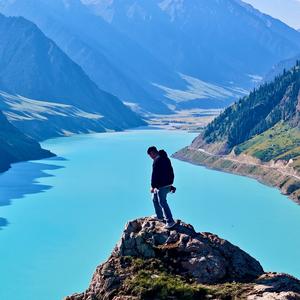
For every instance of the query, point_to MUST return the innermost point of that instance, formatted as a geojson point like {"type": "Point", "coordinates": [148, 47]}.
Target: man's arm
{"type": "Point", "coordinates": [171, 172]}
{"type": "Point", "coordinates": [155, 174]}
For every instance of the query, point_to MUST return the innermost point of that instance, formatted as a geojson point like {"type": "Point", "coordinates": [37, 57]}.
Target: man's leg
{"type": "Point", "coordinates": [157, 207]}
{"type": "Point", "coordinates": [162, 200]}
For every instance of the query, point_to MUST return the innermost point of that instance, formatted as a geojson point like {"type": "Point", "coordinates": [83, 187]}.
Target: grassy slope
{"type": "Point", "coordinates": [265, 107]}
{"type": "Point", "coordinates": [152, 280]}
{"type": "Point", "coordinates": [279, 142]}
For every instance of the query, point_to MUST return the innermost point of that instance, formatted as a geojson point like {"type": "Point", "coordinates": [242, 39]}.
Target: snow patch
{"type": "Point", "coordinates": [101, 8]}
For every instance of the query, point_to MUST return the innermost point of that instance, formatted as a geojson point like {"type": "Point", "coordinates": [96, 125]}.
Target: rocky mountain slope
{"type": "Point", "coordinates": [16, 147]}
{"type": "Point", "coordinates": [44, 119]}
{"type": "Point", "coordinates": [33, 66]}
{"type": "Point", "coordinates": [257, 136]}
{"type": "Point", "coordinates": [151, 262]}
{"type": "Point", "coordinates": [287, 11]}
{"type": "Point", "coordinates": [193, 62]}
{"type": "Point", "coordinates": [114, 62]}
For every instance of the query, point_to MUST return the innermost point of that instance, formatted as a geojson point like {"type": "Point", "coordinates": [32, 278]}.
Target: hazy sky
{"type": "Point", "coordinates": [287, 11]}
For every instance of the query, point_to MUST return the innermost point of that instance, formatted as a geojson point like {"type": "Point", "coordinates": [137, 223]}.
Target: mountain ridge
{"type": "Point", "coordinates": [127, 57]}
{"type": "Point", "coordinates": [42, 119]}
{"type": "Point", "coordinates": [288, 11]}
{"type": "Point", "coordinates": [34, 67]}
{"type": "Point", "coordinates": [279, 68]}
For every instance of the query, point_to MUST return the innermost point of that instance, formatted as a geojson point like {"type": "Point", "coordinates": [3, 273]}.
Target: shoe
{"type": "Point", "coordinates": [170, 225]}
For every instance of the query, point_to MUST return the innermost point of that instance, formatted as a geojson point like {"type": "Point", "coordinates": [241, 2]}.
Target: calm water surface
{"type": "Point", "coordinates": [61, 217]}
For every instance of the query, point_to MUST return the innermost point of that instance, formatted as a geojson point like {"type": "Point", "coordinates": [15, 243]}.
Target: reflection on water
{"type": "Point", "coordinates": [3, 222]}
{"type": "Point", "coordinates": [26, 174]}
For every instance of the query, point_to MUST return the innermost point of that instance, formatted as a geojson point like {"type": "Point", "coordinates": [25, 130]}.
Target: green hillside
{"type": "Point", "coordinates": [278, 142]}
{"type": "Point", "coordinates": [264, 124]}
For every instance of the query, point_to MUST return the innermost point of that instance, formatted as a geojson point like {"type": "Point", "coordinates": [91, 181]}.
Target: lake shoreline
{"type": "Point", "coordinates": [175, 122]}
{"type": "Point", "coordinates": [263, 174]}
{"type": "Point", "coordinates": [65, 203]}
{"type": "Point", "coordinates": [8, 166]}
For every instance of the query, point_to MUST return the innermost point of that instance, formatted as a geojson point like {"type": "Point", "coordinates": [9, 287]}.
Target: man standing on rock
{"type": "Point", "coordinates": [161, 184]}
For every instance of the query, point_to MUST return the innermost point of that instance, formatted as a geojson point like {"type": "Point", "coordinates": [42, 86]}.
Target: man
{"type": "Point", "coordinates": [161, 184]}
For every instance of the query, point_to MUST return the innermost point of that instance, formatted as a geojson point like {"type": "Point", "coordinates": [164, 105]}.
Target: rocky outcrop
{"type": "Point", "coordinates": [52, 95]}
{"type": "Point", "coordinates": [204, 256]}
{"type": "Point", "coordinates": [152, 262]}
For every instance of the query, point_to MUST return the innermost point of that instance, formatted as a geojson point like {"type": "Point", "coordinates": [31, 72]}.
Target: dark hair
{"type": "Point", "coordinates": [152, 149]}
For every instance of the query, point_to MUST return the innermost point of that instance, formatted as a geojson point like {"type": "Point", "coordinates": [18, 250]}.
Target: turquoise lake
{"type": "Point", "coordinates": [61, 217]}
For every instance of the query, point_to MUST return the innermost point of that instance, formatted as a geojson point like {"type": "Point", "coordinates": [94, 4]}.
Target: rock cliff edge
{"type": "Point", "coordinates": [152, 262]}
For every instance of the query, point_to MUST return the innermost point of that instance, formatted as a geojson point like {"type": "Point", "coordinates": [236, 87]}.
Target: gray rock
{"type": "Point", "coordinates": [203, 257]}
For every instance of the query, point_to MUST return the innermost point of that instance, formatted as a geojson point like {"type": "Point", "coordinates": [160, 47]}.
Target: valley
{"type": "Point", "coordinates": [86, 86]}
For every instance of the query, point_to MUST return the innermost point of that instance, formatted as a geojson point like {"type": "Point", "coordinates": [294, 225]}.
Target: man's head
{"type": "Point", "coordinates": [152, 152]}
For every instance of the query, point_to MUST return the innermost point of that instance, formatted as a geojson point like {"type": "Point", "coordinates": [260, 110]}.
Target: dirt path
{"type": "Point", "coordinates": [282, 170]}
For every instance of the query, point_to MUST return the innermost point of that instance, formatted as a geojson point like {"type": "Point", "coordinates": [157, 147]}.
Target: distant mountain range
{"type": "Point", "coordinates": [15, 146]}
{"type": "Point", "coordinates": [45, 94]}
{"type": "Point", "coordinates": [68, 101]}
{"type": "Point", "coordinates": [278, 68]}
{"type": "Point", "coordinates": [164, 55]}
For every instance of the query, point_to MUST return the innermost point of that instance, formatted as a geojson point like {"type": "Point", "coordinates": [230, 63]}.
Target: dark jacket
{"type": "Point", "coordinates": [162, 173]}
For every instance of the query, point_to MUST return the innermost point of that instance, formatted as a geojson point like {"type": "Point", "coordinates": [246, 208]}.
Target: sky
{"type": "Point", "coordinates": [287, 11]}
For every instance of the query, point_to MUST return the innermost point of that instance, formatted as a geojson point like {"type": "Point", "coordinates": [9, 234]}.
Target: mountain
{"type": "Point", "coordinates": [278, 68]}
{"type": "Point", "coordinates": [258, 136]}
{"type": "Point", "coordinates": [43, 119]}
{"type": "Point", "coordinates": [113, 61]}
{"type": "Point", "coordinates": [288, 11]}
{"type": "Point", "coordinates": [34, 67]}
{"type": "Point", "coordinates": [272, 106]}
{"type": "Point", "coordinates": [165, 55]}
{"type": "Point", "coordinates": [151, 262]}
{"type": "Point", "coordinates": [190, 40]}
{"type": "Point", "coordinates": [16, 147]}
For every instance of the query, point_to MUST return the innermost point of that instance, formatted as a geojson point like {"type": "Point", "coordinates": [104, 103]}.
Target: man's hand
{"type": "Point", "coordinates": [154, 190]}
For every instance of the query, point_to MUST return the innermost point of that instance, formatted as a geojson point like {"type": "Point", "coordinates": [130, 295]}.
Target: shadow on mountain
{"type": "Point", "coordinates": [23, 180]}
